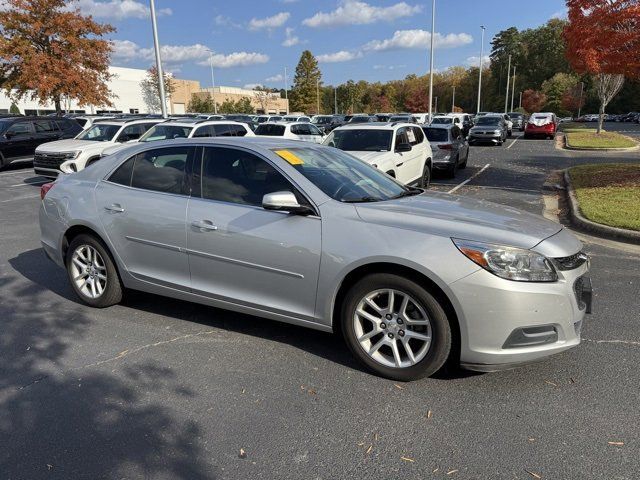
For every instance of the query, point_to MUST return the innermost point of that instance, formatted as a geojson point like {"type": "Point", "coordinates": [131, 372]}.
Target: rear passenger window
{"type": "Point", "coordinates": [203, 132]}
{"type": "Point", "coordinates": [122, 175]}
{"type": "Point", "coordinates": [162, 170]}
{"type": "Point", "coordinates": [223, 130]}
{"type": "Point", "coordinates": [401, 136]}
{"type": "Point", "coordinates": [238, 130]}
{"type": "Point", "coordinates": [418, 135]}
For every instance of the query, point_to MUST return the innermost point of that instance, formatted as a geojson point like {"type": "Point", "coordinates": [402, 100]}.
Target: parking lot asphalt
{"type": "Point", "coordinates": [162, 389]}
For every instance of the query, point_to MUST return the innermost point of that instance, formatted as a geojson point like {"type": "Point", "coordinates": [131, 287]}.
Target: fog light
{"type": "Point", "coordinates": [531, 336]}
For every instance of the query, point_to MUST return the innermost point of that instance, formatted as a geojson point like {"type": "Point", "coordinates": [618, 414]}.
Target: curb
{"type": "Point", "coordinates": [625, 149]}
{"type": "Point", "coordinates": [602, 230]}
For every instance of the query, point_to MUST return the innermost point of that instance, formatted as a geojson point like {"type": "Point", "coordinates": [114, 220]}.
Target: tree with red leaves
{"type": "Point", "coordinates": [573, 99]}
{"type": "Point", "coordinates": [603, 39]}
{"type": "Point", "coordinates": [50, 51]}
{"type": "Point", "coordinates": [533, 101]}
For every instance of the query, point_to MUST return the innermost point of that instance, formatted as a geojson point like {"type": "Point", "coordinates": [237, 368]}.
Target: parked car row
{"type": "Point", "coordinates": [631, 117]}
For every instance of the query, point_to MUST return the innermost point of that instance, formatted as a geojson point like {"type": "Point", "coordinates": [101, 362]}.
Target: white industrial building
{"type": "Point", "coordinates": [125, 85]}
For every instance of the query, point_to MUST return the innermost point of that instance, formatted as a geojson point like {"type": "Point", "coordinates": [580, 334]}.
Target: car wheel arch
{"type": "Point", "coordinates": [353, 276]}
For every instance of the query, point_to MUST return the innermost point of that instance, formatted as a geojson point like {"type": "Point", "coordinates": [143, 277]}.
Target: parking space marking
{"type": "Point", "coordinates": [458, 187]}
{"type": "Point", "coordinates": [513, 143]}
{"type": "Point", "coordinates": [27, 171]}
{"type": "Point", "coordinates": [20, 198]}
{"type": "Point", "coordinates": [37, 182]}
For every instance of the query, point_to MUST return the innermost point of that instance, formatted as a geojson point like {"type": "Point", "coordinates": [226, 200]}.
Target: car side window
{"type": "Point", "coordinates": [235, 176]}
{"type": "Point", "coordinates": [162, 170]}
{"type": "Point", "coordinates": [204, 131]}
{"type": "Point", "coordinates": [401, 136]}
{"type": "Point", "coordinates": [122, 175]}
{"type": "Point", "coordinates": [19, 128]}
{"type": "Point", "coordinates": [418, 135]}
{"type": "Point", "coordinates": [239, 131]}
{"type": "Point", "coordinates": [45, 126]}
{"type": "Point", "coordinates": [314, 130]}
{"type": "Point", "coordinates": [131, 132]}
{"type": "Point", "coordinates": [455, 132]}
{"type": "Point", "coordinates": [223, 130]}
{"type": "Point", "coordinates": [297, 129]}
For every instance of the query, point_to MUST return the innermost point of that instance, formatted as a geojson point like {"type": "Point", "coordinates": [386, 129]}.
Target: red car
{"type": "Point", "coordinates": [541, 125]}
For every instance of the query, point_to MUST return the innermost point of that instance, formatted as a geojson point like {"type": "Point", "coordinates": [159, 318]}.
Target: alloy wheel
{"type": "Point", "coordinates": [393, 328]}
{"type": "Point", "coordinates": [88, 271]}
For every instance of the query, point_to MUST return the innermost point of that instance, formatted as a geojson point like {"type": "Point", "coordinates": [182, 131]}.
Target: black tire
{"type": "Point", "coordinates": [112, 293]}
{"type": "Point", "coordinates": [441, 336]}
{"type": "Point", "coordinates": [426, 176]}
{"type": "Point", "coordinates": [451, 171]}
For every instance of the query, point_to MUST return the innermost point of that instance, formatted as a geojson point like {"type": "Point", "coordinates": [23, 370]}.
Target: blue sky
{"type": "Point", "coordinates": [253, 41]}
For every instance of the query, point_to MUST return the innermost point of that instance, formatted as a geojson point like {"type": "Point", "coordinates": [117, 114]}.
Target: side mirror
{"type": "Point", "coordinates": [403, 147]}
{"type": "Point", "coordinates": [284, 202]}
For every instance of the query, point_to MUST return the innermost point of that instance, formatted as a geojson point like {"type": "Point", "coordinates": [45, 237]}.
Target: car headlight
{"type": "Point", "coordinates": [510, 263]}
{"type": "Point", "coordinates": [71, 155]}
{"type": "Point", "coordinates": [497, 131]}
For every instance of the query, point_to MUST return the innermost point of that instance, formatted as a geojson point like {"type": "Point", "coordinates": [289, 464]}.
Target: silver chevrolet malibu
{"type": "Point", "coordinates": [309, 235]}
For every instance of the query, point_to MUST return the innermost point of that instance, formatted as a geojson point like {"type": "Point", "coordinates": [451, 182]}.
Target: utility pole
{"type": "Point", "coordinates": [580, 101]}
{"type": "Point", "coordinates": [513, 88]}
{"type": "Point", "coordinates": [433, 31]}
{"type": "Point", "coordinates": [213, 85]}
{"type": "Point", "coordinates": [520, 99]}
{"type": "Point", "coordinates": [453, 101]}
{"type": "Point", "coordinates": [286, 89]}
{"type": "Point", "coordinates": [318, 95]}
{"type": "Point", "coordinates": [506, 95]}
{"type": "Point", "coordinates": [480, 79]}
{"type": "Point", "coordinates": [156, 46]}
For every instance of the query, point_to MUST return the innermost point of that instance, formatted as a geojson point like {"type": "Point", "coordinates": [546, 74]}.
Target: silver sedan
{"type": "Point", "coordinates": [309, 235]}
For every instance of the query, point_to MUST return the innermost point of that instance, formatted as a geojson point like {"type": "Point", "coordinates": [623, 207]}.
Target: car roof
{"type": "Point", "coordinates": [376, 126]}
{"type": "Point", "coordinates": [124, 121]}
{"type": "Point", "coordinates": [443, 126]}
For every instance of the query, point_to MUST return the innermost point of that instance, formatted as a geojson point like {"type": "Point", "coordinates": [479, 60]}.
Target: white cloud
{"type": "Point", "coordinates": [388, 67]}
{"type": "Point", "coordinates": [475, 61]}
{"type": "Point", "coordinates": [125, 50]}
{"type": "Point", "coordinates": [291, 39]}
{"type": "Point", "coordinates": [356, 12]}
{"type": "Point", "coordinates": [235, 59]}
{"type": "Point", "coordinates": [116, 9]}
{"type": "Point", "coordinates": [251, 86]}
{"type": "Point", "coordinates": [419, 39]}
{"type": "Point", "coordinates": [341, 56]}
{"type": "Point", "coordinates": [223, 21]}
{"type": "Point", "coordinates": [561, 15]}
{"type": "Point", "coordinates": [275, 21]}
{"type": "Point", "coordinates": [275, 78]}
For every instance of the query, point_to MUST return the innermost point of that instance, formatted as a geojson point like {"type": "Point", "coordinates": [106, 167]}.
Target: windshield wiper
{"type": "Point", "coordinates": [362, 200]}
{"type": "Point", "coordinates": [408, 193]}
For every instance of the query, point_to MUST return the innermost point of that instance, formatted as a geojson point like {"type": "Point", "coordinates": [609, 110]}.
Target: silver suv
{"type": "Point", "coordinates": [309, 235]}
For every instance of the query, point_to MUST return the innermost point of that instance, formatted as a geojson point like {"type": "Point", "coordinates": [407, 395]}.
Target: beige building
{"type": "Point", "coordinates": [181, 96]}
{"type": "Point", "coordinates": [269, 103]}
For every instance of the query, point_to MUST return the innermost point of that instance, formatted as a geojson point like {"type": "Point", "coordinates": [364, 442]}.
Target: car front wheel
{"type": "Point", "coordinates": [92, 272]}
{"type": "Point", "coordinates": [395, 327]}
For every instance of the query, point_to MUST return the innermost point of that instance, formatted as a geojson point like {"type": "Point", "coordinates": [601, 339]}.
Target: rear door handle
{"type": "Point", "coordinates": [115, 208]}
{"type": "Point", "coordinates": [204, 225]}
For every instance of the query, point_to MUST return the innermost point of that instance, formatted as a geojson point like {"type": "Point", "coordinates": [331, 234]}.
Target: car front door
{"type": "Point", "coordinates": [241, 253]}
{"type": "Point", "coordinates": [142, 207]}
{"type": "Point", "coordinates": [19, 141]}
{"type": "Point", "coordinates": [46, 131]}
{"type": "Point", "coordinates": [408, 164]}
{"type": "Point", "coordinates": [302, 132]}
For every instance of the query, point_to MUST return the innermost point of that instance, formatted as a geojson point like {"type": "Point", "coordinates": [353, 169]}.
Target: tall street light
{"type": "Point", "coordinates": [286, 89]}
{"type": "Point", "coordinates": [453, 100]}
{"type": "Point", "coordinates": [318, 96]}
{"type": "Point", "coordinates": [506, 95]}
{"type": "Point", "coordinates": [213, 84]}
{"type": "Point", "coordinates": [156, 46]}
{"type": "Point", "coordinates": [480, 75]}
{"type": "Point", "coordinates": [513, 88]}
{"type": "Point", "coordinates": [433, 32]}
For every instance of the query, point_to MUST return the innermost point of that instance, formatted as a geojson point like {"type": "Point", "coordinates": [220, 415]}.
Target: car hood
{"type": "Point", "coordinates": [117, 147]}
{"type": "Point", "coordinates": [480, 128]}
{"type": "Point", "coordinates": [369, 157]}
{"type": "Point", "coordinates": [71, 144]}
{"type": "Point", "coordinates": [461, 217]}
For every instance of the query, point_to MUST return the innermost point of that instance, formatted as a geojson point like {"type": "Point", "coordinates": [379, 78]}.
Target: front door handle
{"type": "Point", "coordinates": [204, 225]}
{"type": "Point", "coordinates": [114, 208]}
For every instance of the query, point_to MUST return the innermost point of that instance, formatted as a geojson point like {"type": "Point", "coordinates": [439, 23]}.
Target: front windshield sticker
{"type": "Point", "coordinates": [290, 157]}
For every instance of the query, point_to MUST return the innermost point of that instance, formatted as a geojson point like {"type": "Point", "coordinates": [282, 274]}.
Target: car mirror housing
{"type": "Point", "coordinates": [284, 201]}
{"type": "Point", "coordinates": [404, 147]}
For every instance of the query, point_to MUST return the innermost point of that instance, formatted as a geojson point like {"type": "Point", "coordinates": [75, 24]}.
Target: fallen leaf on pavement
{"type": "Point", "coordinates": [361, 444]}
{"type": "Point", "coordinates": [369, 449]}
{"type": "Point", "coordinates": [532, 439]}
{"type": "Point", "coordinates": [242, 453]}
{"type": "Point", "coordinates": [435, 470]}
{"type": "Point", "coordinates": [375, 437]}
{"type": "Point", "coordinates": [49, 466]}
{"type": "Point", "coordinates": [408, 459]}
{"type": "Point", "coordinates": [451, 472]}
{"type": "Point", "coordinates": [534, 475]}
{"type": "Point", "coordinates": [617, 444]}
{"type": "Point", "coordinates": [551, 383]}
{"type": "Point", "coordinates": [398, 386]}
{"type": "Point", "coordinates": [429, 414]}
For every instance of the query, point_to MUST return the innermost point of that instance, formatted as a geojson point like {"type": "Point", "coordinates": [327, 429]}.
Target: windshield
{"type": "Point", "coordinates": [359, 120]}
{"type": "Point", "coordinates": [436, 134]}
{"type": "Point", "coordinates": [290, 119]}
{"type": "Point", "coordinates": [400, 119]}
{"type": "Point", "coordinates": [100, 132]}
{"type": "Point", "coordinates": [488, 121]}
{"type": "Point", "coordinates": [360, 140]}
{"type": "Point", "coordinates": [343, 177]}
{"type": "Point", "coordinates": [515, 115]}
{"type": "Point", "coordinates": [270, 130]}
{"type": "Point", "coordinates": [321, 120]}
{"type": "Point", "coordinates": [442, 120]}
{"type": "Point", "coordinates": [165, 132]}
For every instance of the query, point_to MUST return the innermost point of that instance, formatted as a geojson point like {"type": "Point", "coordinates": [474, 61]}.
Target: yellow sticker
{"type": "Point", "coordinates": [290, 157]}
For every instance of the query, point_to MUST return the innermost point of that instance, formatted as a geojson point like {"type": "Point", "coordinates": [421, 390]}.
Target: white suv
{"type": "Point", "coordinates": [305, 131]}
{"type": "Point", "coordinates": [398, 149]}
{"type": "Point", "coordinates": [173, 129]}
{"type": "Point", "coordinates": [74, 154]}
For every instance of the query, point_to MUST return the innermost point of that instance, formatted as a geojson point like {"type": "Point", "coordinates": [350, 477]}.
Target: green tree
{"type": "Point", "coordinates": [555, 89]}
{"type": "Point", "coordinates": [150, 86]}
{"type": "Point", "coordinates": [307, 78]}
{"type": "Point", "coordinates": [14, 108]}
{"type": "Point", "coordinates": [241, 106]}
{"type": "Point", "coordinates": [201, 104]}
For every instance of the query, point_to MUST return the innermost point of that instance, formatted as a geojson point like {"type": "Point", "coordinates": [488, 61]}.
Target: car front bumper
{"type": "Point", "coordinates": [484, 138]}
{"type": "Point", "coordinates": [545, 318]}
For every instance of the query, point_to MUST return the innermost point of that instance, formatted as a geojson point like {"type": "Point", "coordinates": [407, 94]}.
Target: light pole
{"type": "Point", "coordinates": [580, 101]}
{"type": "Point", "coordinates": [480, 75]}
{"type": "Point", "coordinates": [286, 89]}
{"type": "Point", "coordinates": [520, 106]}
{"type": "Point", "coordinates": [453, 101]}
{"type": "Point", "coordinates": [506, 95]}
{"type": "Point", "coordinates": [433, 31]}
{"type": "Point", "coordinates": [513, 88]}
{"type": "Point", "coordinates": [213, 84]}
{"type": "Point", "coordinates": [318, 96]}
{"type": "Point", "coordinates": [156, 46]}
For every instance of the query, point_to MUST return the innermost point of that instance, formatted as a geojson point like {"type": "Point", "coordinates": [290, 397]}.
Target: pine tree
{"type": "Point", "coordinates": [305, 83]}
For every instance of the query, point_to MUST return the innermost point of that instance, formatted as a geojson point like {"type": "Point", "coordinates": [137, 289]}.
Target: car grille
{"type": "Point", "coordinates": [48, 160]}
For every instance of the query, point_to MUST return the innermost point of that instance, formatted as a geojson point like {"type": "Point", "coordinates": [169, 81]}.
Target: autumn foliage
{"type": "Point", "coordinates": [50, 51]}
{"type": "Point", "coordinates": [533, 100]}
{"type": "Point", "coordinates": [603, 36]}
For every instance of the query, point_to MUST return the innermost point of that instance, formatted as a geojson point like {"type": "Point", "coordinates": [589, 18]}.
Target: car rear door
{"type": "Point", "coordinates": [142, 207]}
{"type": "Point", "coordinates": [241, 253]}
{"type": "Point", "coordinates": [19, 141]}
{"type": "Point", "coordinates": [46, 130]}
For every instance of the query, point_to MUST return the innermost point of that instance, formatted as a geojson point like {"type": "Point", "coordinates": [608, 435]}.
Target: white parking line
{"type": "Point", "coordinates": [513, 143]}
{"type": "Point", "coordinates": [38, 182]}
{"type": "Point", "coordinates": [27, 171]}
{"type": "Point", "coordinates": [20, 198]}
{"type": "Point", "coordinates": [456, 188]}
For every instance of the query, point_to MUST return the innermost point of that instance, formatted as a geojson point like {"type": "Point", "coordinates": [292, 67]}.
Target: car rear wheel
{"type": "Point", "coordinates": [395, 327]}
{"type": "Point", "coordinates": [451, 171]}
{"type": "Point", "coordinates": [426, 176]}
{"type": "Point", "coordinates": [92, 272]}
